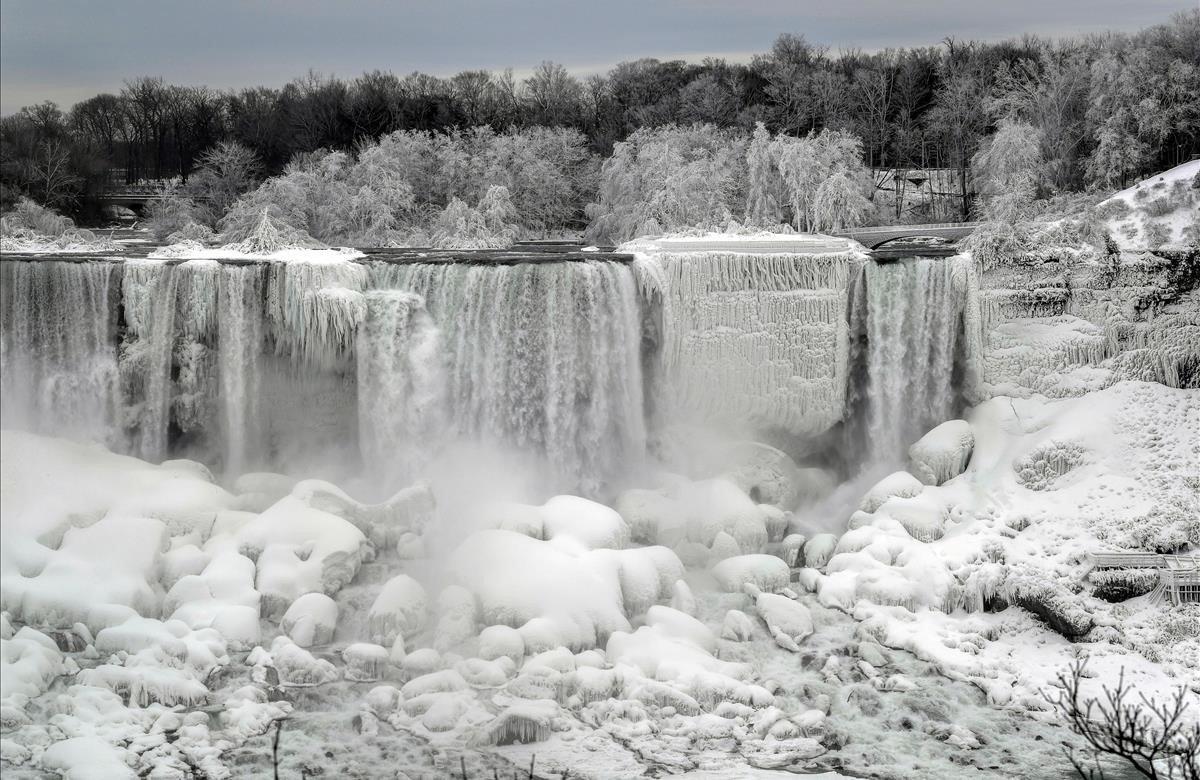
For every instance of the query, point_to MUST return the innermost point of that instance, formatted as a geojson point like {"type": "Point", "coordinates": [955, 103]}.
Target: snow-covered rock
{"type": "Point", "coordinates": [310, 620]}
{"type": "Point", "coordinates": [401, 608]}
{"type": "Point", "coordinates": [943, 453]}
{"type": "Point", "coordinates": [765, 572]}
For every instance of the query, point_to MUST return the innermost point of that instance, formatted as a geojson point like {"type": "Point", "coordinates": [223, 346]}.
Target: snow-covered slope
{"type": "Point", "coordinates": [1163, 210]}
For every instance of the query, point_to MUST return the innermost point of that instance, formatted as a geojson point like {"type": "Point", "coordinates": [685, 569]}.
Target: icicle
{"type": "Point", "coordinates": [315, 308]}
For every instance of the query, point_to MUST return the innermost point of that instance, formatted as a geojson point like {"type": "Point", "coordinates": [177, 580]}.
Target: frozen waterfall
{"type": "Point", "coordinates": [293, 365]}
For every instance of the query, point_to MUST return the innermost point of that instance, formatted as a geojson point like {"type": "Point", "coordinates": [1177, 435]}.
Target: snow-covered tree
{"type": "Point", "coordinates": [807, 163]}
{"type": "Point", "coordinates": [668, 178]}
{"type": "Point", "coordinates": [840, 202]}
{"type": "Point", "coordinates": [764, 185]}
{"type": "Point", "coordinates": [1007, 169]}
{"type": "Point", "coordinates": [227, 171]}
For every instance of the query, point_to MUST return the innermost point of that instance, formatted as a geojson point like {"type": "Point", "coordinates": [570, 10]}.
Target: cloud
{"type": "Point", "coordinates": [72, 49]}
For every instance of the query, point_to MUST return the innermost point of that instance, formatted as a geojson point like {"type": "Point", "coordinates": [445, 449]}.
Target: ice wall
{"type": "Point", "coordinates": [754, 335]}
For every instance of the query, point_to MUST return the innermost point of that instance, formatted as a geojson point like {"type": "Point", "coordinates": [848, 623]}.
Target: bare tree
{"type": "Point", "coordinates": [1151, 737]}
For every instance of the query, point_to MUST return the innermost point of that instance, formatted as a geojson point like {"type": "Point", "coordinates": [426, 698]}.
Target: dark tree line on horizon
{"type": "Point", "coordinates": [1108, 109]}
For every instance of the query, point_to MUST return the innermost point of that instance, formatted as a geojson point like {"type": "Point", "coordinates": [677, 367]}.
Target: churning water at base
{"type": "Point", "coordinates": [911, 313]}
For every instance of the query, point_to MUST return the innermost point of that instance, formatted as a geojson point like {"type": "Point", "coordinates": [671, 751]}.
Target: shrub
{"type": "Point", "coordinates": [1122, 584]}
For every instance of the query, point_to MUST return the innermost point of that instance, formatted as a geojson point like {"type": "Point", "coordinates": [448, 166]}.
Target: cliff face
{"type": "Point", "coordinates": [1068, 322]}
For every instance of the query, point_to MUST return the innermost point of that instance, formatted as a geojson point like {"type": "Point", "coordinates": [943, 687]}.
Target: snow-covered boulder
{"type": "Point", "coordinates": [653, 516]}
{"type": "Point", "coordinates": [517, 578]}
{"type": "Point", "coordinates": [765, 572]}
{"type": "Point", "coordinates": [788, 621]}
{"type": "Point", "coordinates": [222, 596]}
{"type": "Point", "coordinates": [365, 662]}
{"type": "Point", "coordinates": [301, 550]}
{"type": "Point", "coordinates": [591, 524]}
{"type": "Point", "coordinates": [923, 517]}
{"type": "Point", "coordinates": [899, 483]}
{"type": "Point", "coordinates": [819, 549]}
{"type": "Point", "coordinates": [311, 620]}
{"type": "Point", "coordinates": [681, 625]}
{"type": "Point", "coordinates": [737, 627]}
{"type": "Point", "coordinates": [943, 453]}
{"type": "Point", "coordinates": [296, 666]}
{"type": "Point", "coordinates": [501, 642]}
{"type": "Point", "coordinates": [401, 608]}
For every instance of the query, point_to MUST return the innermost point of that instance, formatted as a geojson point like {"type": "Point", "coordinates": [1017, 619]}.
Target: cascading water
{"type": "Point", "coordinates": [292, 365]}
{"type": "Point", "coordinates": [911, 313]}
{"type": "Point", "coordinates": [57, 347]}
{"type": "Point", "coordinates": [401, 386]}
{"type": "Point", "coordinates": [544, 358]}
{"type": "Point", "coordinates": [149, 291]}
{"type": "Point", "coordinates": [279, 365]}
{"type": "Point", "coordinates": [239, 356]}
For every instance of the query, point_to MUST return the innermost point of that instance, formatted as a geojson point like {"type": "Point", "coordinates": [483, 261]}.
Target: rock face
{"type": "Point", "coordinates": [1062, 323]}
{"type": "Point", "coordinates": [942, 454]}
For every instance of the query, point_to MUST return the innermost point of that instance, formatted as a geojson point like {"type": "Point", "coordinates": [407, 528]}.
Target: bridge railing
{"type": "Point", "coordinates": [915, 228]}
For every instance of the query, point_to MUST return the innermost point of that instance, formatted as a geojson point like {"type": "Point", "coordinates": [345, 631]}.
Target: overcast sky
{"type": "Point", "coordinates": [66, 50]}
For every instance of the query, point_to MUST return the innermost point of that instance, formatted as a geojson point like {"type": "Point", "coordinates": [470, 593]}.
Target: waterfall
{"type": "Point", "coordinates": [149, 288]}
{"type": "Point", "coordinates": [540, 357]}
{"type": "Point", "coordinates": [401, 386]}
{"type": "Point", "coordinates": [912, 314]}
{"type": "Point", "coordinates": [58, 357]}
{"type": "Point", "coordinates": [239, 356]}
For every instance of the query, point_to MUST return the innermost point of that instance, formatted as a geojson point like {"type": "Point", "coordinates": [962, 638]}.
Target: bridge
{"type": "Point", "coordinates": [876, 236]}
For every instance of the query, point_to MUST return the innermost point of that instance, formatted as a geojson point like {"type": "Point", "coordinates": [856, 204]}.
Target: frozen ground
{"type": "Point", "coordinates": [156, 622]}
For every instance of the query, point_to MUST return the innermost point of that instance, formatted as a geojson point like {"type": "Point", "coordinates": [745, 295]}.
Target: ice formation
{"type": "Point", "coordinates": [753, 332]}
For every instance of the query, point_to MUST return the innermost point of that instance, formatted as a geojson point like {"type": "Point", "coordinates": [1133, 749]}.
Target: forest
{"type": "Point", "coordinates": [1104, 110]}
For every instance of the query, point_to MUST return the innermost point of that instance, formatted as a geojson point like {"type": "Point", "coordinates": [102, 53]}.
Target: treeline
{"type": "Point", "coordinates": [1107, 109]}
